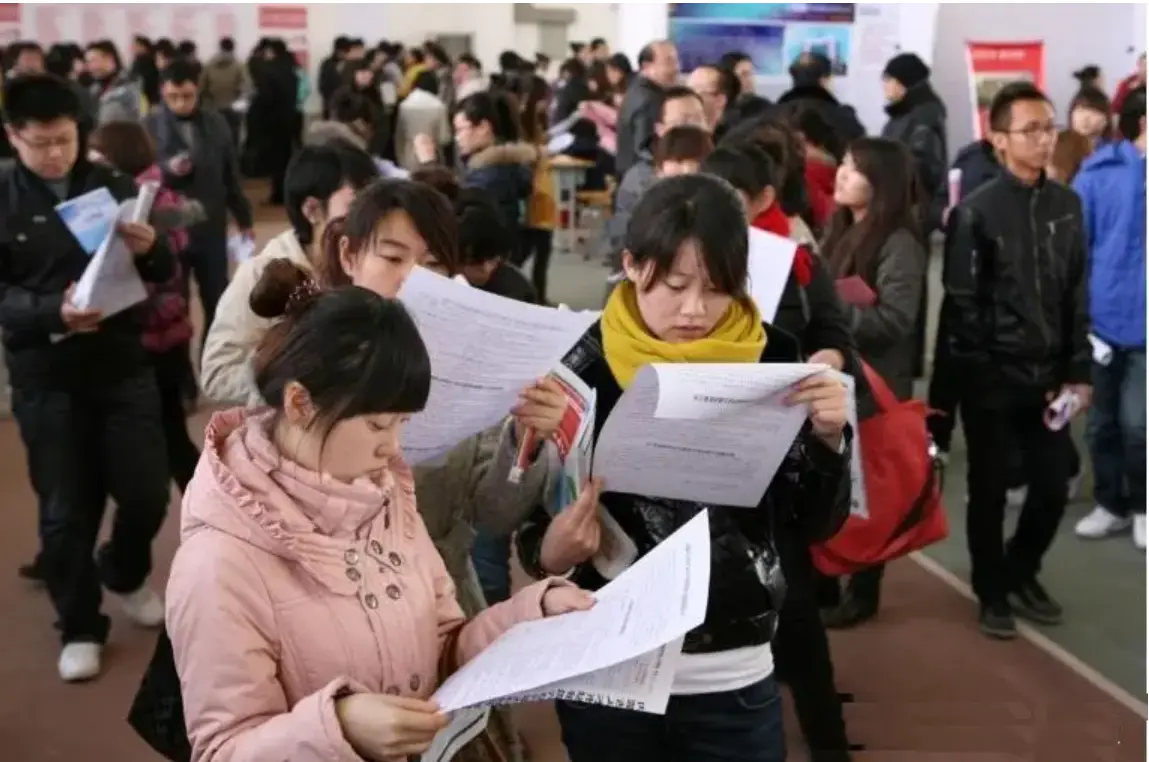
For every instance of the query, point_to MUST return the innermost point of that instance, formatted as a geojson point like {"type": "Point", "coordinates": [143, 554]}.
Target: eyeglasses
{"type": "Point", "coordinates": [49, 144]}
{"type": "Point", "coordinates": [1035, 132]}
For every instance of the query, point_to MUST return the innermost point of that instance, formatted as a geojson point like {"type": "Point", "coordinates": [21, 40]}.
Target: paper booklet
{"type": "Point", "coordinates": [771, 260]}
{"type": "Point", "coordinates": [110, 283]}
{"type": "Point", "coordinates": [620, 653]}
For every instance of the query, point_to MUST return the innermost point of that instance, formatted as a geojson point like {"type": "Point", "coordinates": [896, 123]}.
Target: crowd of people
{"type": "Point", "coordinates": [313, 606]}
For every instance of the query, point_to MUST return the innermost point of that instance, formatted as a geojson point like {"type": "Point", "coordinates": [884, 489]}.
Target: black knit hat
{"type": "Point", "coordinates": [908, 69]}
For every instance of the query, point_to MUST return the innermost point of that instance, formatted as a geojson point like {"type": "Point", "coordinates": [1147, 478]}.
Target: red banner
{"type": "Point", "coordinates": [288, 22]}
{"type": "Point", "coordinates": [992, 65]}
{"type": "Point", "coordinates": [9, 23]}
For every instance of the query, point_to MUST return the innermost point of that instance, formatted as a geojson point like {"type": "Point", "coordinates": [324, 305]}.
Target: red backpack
{"type": "Point", "coordinates": [903, 489]}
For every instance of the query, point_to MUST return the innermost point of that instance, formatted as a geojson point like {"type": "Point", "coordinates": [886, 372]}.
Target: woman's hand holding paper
{"type": "Point", "coordinates": [540, 409]}
{"type": "Point", "coordinates": [564, 598]}
{"type": "Point", "coordinates": [575, 533]}
{"type": "Point", "coordinates": [828, 402]}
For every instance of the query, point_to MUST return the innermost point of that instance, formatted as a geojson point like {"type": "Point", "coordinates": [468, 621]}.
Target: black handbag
{"type": "Point", "coordinates": [157, 713]}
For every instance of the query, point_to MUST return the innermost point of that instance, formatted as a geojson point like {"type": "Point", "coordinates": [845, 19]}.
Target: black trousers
{"type": "Point", "coordinates": [83, 446]}
{"type": "Point", "coordinates": [537, 243]}
{"type": "Point", "coordinates": [996, 427]}
{"type": "Point", "coordinates": [172, 368]}
{"type": "Point", "coordinates": [206, 260]}
{"type": "Point", "coordinates": [802, 656]}
{"type": "Point", "coordinates": [234, 121]}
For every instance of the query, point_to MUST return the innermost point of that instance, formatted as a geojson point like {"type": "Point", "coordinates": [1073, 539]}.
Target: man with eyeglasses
{"type": "Point", "coordinates": [1015, 320]}
{"type": "Point", "coordinates": [83, 391]}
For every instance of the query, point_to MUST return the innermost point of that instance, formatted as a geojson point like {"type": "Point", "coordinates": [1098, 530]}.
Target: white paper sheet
{"type": "Point", "coordinates": [713, 434]}
{"type": "Point", "coordinates": [111, 283]}
{"type": "Point", "coordinates": [240, 248]}
{"type": "Point", "coordinates": [485, 350]}
{"type": "Point", "coordinates": [465, 726]}
{"type": "Point", "coordinates": [653, 603]}
{"type": "Point", "coordinates": [771, 259]}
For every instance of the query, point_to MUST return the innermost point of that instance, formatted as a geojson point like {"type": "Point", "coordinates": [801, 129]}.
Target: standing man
{"type": "Point", "coordinates": [1016, 319]}
{"type": "Point", "coordinates": [195, 150]}
{"type": "Point", "coordinates": [657, 70]}
{"type": "Point", "coordinates": [83, 391]}
{"type": "Point", "coordinates": [224, 83]}
{"type": "Point", "coordinates": [1111, 185]}
{"type": "Point", "coordinates": [707, 82]}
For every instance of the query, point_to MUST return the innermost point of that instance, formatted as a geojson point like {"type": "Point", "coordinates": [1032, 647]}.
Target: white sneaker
{"type": "Point", "coordinates": [1139, 531]}
{"type": "Point", "coordinates": [1015, 498]}
{"type": "Point", "coordinates": [79, 662]}
{"type": "Point", "coordinates": [144, 606]}
{"type": "Point", "coordinates": [1100, 523]}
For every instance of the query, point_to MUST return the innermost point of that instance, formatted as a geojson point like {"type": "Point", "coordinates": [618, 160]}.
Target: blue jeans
{"type": "Point", "coordinates": [1117, 432]}
{"type": "Point", "coordinates": [491, 556]}
{"type": "Point", "coordinates": [734, 726]}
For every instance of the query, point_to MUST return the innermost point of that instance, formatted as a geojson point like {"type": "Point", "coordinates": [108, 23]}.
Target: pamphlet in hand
{"type": "Point", "coordinates": [111, 283]}
{"type": "Point", "coordinates": [856, 292]}
{"type": "Point", "coordinates": [465, 726]}
{"type": "Point", "coordinates": [91, 218]}
{"type": "Point", "coordinates": [621, 653]}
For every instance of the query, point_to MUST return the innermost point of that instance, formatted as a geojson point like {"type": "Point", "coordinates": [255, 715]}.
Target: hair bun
{"type": "Point", "coordinates": [283, 287]}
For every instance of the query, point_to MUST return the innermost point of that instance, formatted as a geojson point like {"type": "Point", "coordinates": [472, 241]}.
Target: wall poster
{"type": "Point", "coordinates": [992, 65]}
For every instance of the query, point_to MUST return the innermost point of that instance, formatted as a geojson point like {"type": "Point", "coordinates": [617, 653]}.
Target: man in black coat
{"type": "Point", "coordinates": [83, 391]}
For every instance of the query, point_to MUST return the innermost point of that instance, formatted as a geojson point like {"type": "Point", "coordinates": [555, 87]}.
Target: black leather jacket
{"type": "Point", "coordinates": [810, 495]}
{"type": "Point", "coordinates": [1016, 306]}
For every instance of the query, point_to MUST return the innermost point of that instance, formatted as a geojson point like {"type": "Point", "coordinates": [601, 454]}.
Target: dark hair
{"type": "Point", "coordinates": [348, 105]}
{"type": "Point", "coordinates": [126, 145]}
{"type": "Point", "coordinates": [697, 208]}
{"type": "Point", "coordinates": [483, 235]}
{"type": "Point", "coordinates": [1132, 113]}
{"type": "Point", "coordinates": [747, 167]}
{"type": "Point", "coordinates": [436, 51]}
{"type": "Point", "coordinates": [534, 113]}
{"type": "Point", "coordinates": [596, 74]}
{"type": "Point", "coordinates": [1071, 149]}
{"type": "Point", "coordinates": [227, 44]}
{"type": "Point", "coordinates": [1001, 107]}
{"type": "Point", "coordinates": [470, 61]}
{"type": "Point", "coordinates": [852, 248]}
{"type": "Point", "coordinates": [143, 41]}
{"type": "Point", "coordinates": [510, 61]}
{"type": "Point", "coordinates": [622, 63]}
{"type": "Point", "coordinates": [186, 48]}
{"type": "Point", "coordinates": [39, 98]}
{"type": "Point", "coordinates": [12, 53]}
{"type": "Point", "coordinates": [430, 213]}
{"type": "Point", "coordinates": [597, 42]}
{"type": "Point", "coordinates": [427, 81]}
{"type": "Point", "coordinates": [674, 93]}
{"type": "Point", "coordinates": [648, 52]}
{"type": "Point", "coordinates": [1092, 98]}
{"type": "Point", "coordinates": [318, 172]}
{"type": "Point", "coordinates": [493, 108]}
{"type": "Point", "coordinates": [440, 178]}
{"type": "Point", "coordinates": [355, 352]}
{"type": "Point", "coordinates": [1088, 75]}
{"type": "Point", "coordinates": [108, 48]}
{"type": "Point", "coordinates": [165, 48]}
{"type": "Point", "coordinates": [683, 143]}
{"type": "Point", "coordinates": [342, 44]}
{"type": "Point", "coordinates": [817, 130]}
{"type": "Point", "coordinates": [180, 72]}
{"type": "Point", "coordinates": [782, 144]}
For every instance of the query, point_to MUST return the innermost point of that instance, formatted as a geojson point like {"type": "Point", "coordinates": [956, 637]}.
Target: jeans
{"type": "Point", "coordinates": [734, 726]}
{"type": "Point", "coordinates": [1116, 432]}
{"type": "Point", "coordinates": [491, 556]}
{"type": "Point", "coordinates": [1012, 422]}
{"type": "Point", "coordinates": [82, 446]}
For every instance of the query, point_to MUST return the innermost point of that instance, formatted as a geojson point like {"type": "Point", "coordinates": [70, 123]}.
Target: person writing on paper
{"type": "Point", "coordinates": [321, 183]}
{"type": "Point", "coordinates": [684, 300]}
{"type": "Point", "coordinates": [1016, 323]}
{"type": "Point", "coordinates": [811, 312]}
{"type": "Point", "coordinates": [83, 392]}
{"type": "Point", "coordinates": [874, 250]}
{"type": "Point", "coordinates": [310, 616]}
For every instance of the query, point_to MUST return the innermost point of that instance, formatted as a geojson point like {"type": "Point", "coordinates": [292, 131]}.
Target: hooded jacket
{"type": "Point", "coordinates": [291, 589]}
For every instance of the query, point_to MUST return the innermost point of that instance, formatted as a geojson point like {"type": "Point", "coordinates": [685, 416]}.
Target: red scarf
{"type": "Point", "coordinates": [774, 220]}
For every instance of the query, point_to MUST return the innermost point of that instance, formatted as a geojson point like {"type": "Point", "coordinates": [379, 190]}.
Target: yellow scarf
{"type": "Point", "coordinates": [738, 337]}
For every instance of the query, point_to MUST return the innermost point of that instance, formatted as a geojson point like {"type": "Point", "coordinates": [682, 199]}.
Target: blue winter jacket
{"type": "Point", "coordinates": [1111, 184]}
